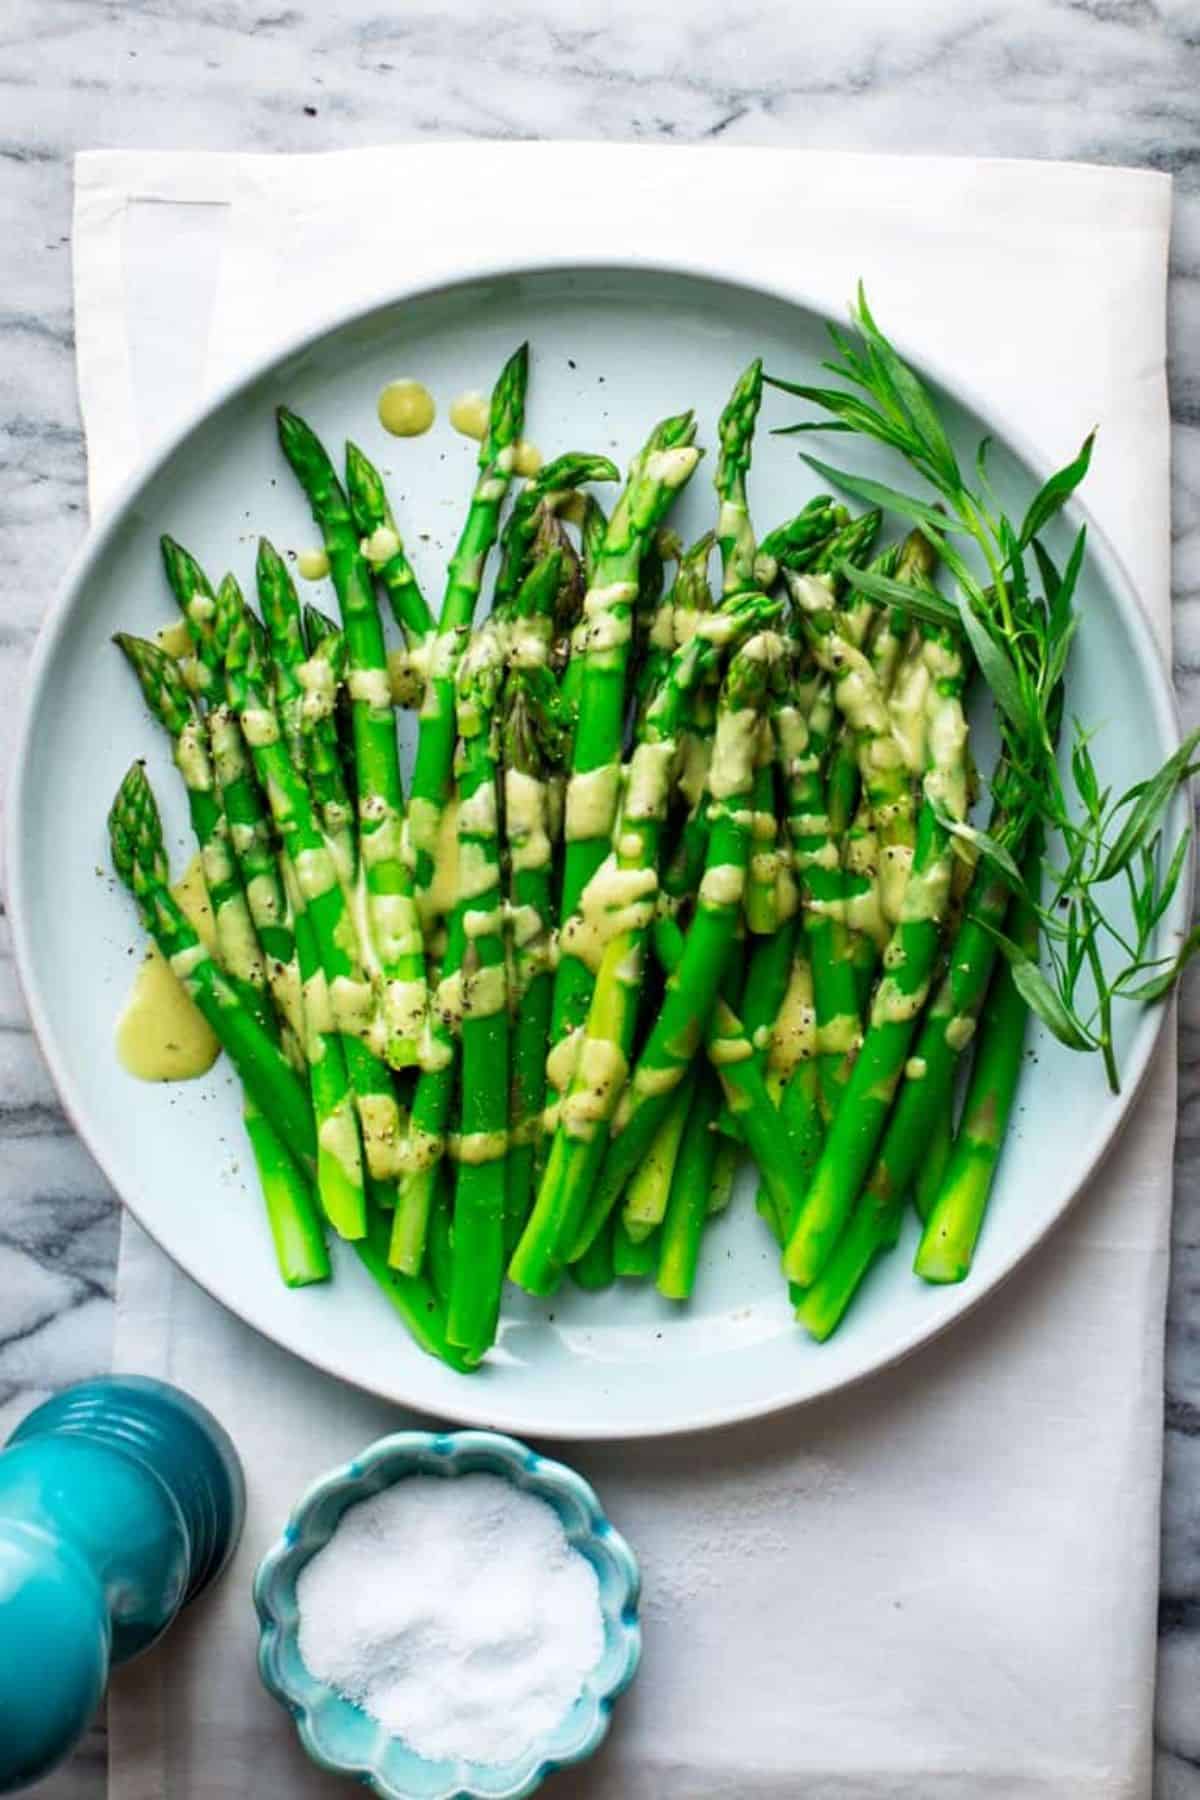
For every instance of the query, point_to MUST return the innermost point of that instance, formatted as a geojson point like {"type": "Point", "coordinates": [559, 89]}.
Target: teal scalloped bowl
{"type": "Point", "coordinates": [338, 1735]}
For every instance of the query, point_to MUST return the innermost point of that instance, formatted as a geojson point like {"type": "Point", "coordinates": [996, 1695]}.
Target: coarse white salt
{"type": "Point", "coordinates": [456, 1613]}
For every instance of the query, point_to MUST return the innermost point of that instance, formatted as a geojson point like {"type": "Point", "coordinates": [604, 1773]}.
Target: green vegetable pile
{"type": "Point", "coordinates": [682, 876]}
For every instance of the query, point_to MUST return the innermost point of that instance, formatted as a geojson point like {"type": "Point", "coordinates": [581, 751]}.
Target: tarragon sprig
{"type": "Point", "coordinates": [1016, 610]}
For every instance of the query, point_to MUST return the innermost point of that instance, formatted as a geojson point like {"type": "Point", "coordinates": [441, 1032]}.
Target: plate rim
{"type": "Point", "coordinates": [710, 271]}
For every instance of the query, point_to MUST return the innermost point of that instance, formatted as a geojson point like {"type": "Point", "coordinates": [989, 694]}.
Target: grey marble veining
{"type": "Point", "coordinates": [1106, 80]}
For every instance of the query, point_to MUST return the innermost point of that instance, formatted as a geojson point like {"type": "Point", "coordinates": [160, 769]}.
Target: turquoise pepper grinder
{"type": "Point", "coordinates": [120, 1500]}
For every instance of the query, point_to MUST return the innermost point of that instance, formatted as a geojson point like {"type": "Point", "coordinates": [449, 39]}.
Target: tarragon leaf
{"type": "Point", "coordinates": [877, 493]}
{"type": "Point", "coordinates": [922, 601]}
{"type": "Point", "coordinates": [1152, 797]}
{"type": "Point", "coordinates": [987, 846]}
{"type": "Point", "coordinates": [996, 668]}
{"type": "Point", "coordinates": [914, 399]}
{"type": "Point", "coordinates": [1054, 493]}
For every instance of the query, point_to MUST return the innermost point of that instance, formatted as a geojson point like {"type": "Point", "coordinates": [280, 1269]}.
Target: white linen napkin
{"type": "Point", "coordinates": [944, 1582]}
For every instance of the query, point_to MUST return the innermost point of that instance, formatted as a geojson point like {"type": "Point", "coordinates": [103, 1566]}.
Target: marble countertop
{"type": "Point", "coordinates": [1101, 80]}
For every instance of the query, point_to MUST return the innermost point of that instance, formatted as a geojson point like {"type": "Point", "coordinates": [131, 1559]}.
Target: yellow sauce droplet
{"type": "Point", "coordinates": [174, 639]}
{"type": "Point", "coordinates": [313, 564]}
{"type": "Point", "coordinates": [160, 1034]}
{"type": "Point", "coordinates": [439, 897]}
{"type": "Point", "coordinates": [527, 458]}
{"type": "Point", "coordinates": [469, 413]}
{"type": "Point", "coordinates": [406, 408]}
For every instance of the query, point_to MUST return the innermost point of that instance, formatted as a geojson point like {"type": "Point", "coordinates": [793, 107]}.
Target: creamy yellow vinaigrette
{"type": "Point", "coordinates": [406, 408]}
{"type": "Point", "coordinates": [313, 564]}
{"type": "Point", "coordinates": [174, 639]}
{"type": "Point", "coordinates": [440, 896]}
{"type": "Point", "coordinates": [160, 1035]}
{"type": "Point", "coordinates": [469, 413]}
{"type": "Point", "coordinates": [527, 458]}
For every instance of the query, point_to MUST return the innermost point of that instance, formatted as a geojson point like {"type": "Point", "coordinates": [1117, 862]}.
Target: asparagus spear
{"type": "Point", "coordinates": [923, 1104]}
{"type": "Point", "coordinates": [688, 1207]}
{"type": "Point", "coordinates": [795, 543]}
{"type": "Point", "coordinates": [167, 697]}
{"type": "Point", "coordinates": [767, 1133]}
{"type": "Point", "coordinates": [288, 1204]}
{"type": "Point", "coordinates": [597, 1269]}
{"type": "Point", "coordinates": [650, 1184]}
{"type": "Point", "coordinates": [350, 995]}
{"type": "Point", "coordinates": [381, 545]}
{"type": "Point", "coordinates": [197, 601]}
{"type": "Point", "coordinates": [555, 487]}
{"type": "Point", "coordinates": [139, 858]}
{"type": "Point", "coordinates": [425, 1142]}
{"type": "Point", "coordinates": [478, 1270]}
{"type": "Point", "coordinates": [738, 547]}
{"type": "Point", "coordinates": [437, 728]}
{"type": "Point", "coordinates": [691, 992]}
{"type": "Point", "coordinates": [937, 1155]}
{"type": "Point", "coordinates": [413, 1297]}
{"type": "Point", "coordinates": [390, 909]}
{"type": "Point", "coordinates": [735, 534]}
{"type": "Point", "coordinates": [533, 742]}
{"type": "Point", "coordinates": [340, 1175]}
{"type": "Point", "coordinates": [423, 1148]}
{"type": "Point", "coordinates": [280, 609]}
{"type": "Point", "coordinates": [588, 1069]}
{"type": "Point", "coordinates": [956, 1216]}
{"type": "Point", "coordinates": [657, 473]}
{"type": "Point", "coordinates": [321, 676]}
{"type": "Point", "coordinates": [633, 1259]}
{"type": "Point", "coordinates": [908, 963]}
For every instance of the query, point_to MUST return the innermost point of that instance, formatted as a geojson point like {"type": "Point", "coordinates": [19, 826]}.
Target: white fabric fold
{"type": "Point", "coordinates": [942, 1583]}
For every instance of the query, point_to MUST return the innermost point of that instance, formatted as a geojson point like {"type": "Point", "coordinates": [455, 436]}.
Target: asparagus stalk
{"type": "Point", "coordinates": [167, 697]}
{"type": "Point", "coordinates": [735, 534]}
{"type": "Point", "coordinates": [139, 858]}
{"type": "Point", "coordinates": [424, 1144]}
{"type": "Point", "coordinates": [922, 1107]}
{"type": "Point", "coordinates": [280, 609]}
{"type": "Point", "coordinates": [412, 1297]}
{"type": "Point", "coordinates": [933, 1167]}
{"type": "Point", "coordinates": [766, 1133]}
{"type": "Point", "coordinates": [555, 487]}
{"type": "Point", "coordinates": [738, 547]}
{"type": "Point", "coordinates": [382, 547]}
{"type": "Point", "coordinates": [321, 676]}
{"type": "Point", "coordinates": [691, 1188]}
{"type": "Point", "coordinates": [795, 543]}
{"type": "Point", "coordinates": [724, 1174]}
{"type": "Point", "coordinates": [588, 1067]}
{"type": "Point", "coordinates": [437, 727]}
{"type": "Point", "coordinates": [596, 1270]}
{"type": "Point", "coordinates": [320, 631]}
{"type": "Point", "coordinates": [658, 472]}
{"type": "Point", "coordinates": [633, 1259]}
{"type": "Point", "coordinates": [271, 885]}
{"type": "Point", "coordinates": [691, 992]}
{"type": "Point", "coordinates": [909, 964]}
{"type": "Point", "coordinates": [351, 1000]}
{"type": "Point", "coordinates": [391, 913]}
{"type": "Point", "coordinates": [196, 600]}
{"type": "Point", "coordinates": [479, 1196]}
{"type": "Point", "coordinates": [955, 1218]}
{"type": "Point", "coordinates": [340, 1175]}
{"type": "Point", "coordinates": [288, 1206]}
{"type": "Point", "coordinates": [650, 1184]}
{"type": "Point", "coordinates": [533, 742]}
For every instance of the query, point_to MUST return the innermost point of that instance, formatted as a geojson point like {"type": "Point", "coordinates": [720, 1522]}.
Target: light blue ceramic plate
{"type": "Point", "coordinates": [338, 1735]}
{"type": "Point", "coordinates": [612, 349]}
